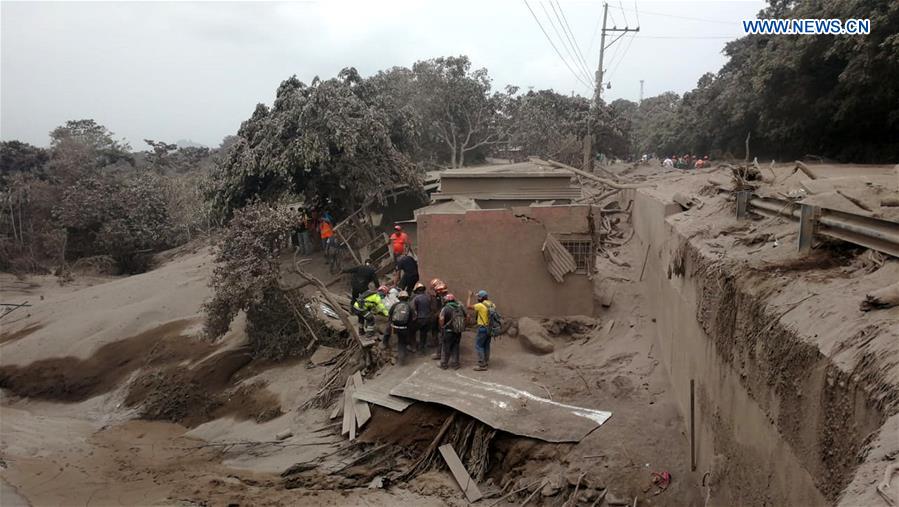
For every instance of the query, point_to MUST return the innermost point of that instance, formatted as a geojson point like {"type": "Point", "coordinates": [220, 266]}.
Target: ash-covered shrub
{"type": "Point", "coordinates": [126, 219]}
{"type": "Point", "coordinates": [247, 263]}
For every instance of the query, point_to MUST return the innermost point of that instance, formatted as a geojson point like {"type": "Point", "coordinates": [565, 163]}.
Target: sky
{"type": "Point", "coordinates": [196, 70]}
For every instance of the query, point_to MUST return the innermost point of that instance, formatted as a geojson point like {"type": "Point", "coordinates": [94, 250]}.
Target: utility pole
{"type": "Point", "coordinates": [641, 93]}
{"type": "Point", "coordinates": [597, 94]}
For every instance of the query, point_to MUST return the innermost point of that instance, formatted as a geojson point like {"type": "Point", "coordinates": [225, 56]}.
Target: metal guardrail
{"type": "Point", "coordinates": [874, 233]}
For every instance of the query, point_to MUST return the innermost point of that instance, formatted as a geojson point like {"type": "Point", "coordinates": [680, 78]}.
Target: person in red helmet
{"type": "Point", "coordinates": [438, 299]}
{"type": "Point", "coordinates": [399, 240]}
{"type": "Point", "coordinates": [452, 324]}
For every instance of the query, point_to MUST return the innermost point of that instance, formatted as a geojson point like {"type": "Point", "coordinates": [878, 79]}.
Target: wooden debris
{"type": "Point", "coordinates": [283, 435]}
{"type": "Point", "coordinates": [361, 409]}
{"type": "Point", "coordinates": [645, 258]}
{"type": "Point", "coordinates": [460, 473]}
{"type": "Point", "coordinates": [349, 415]}
{"type": "Point", "coordinates": [338, 410]}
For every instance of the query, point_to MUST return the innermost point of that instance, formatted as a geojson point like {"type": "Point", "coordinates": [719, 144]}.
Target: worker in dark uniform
{"type": "Point", "coordinates": [406, 273]}
{"type": "Point", "coordinates": [361, 277]}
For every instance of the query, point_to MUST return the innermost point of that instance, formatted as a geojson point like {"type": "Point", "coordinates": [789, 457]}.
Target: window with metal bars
{"type": "Point", "coordinates": [582, 251]}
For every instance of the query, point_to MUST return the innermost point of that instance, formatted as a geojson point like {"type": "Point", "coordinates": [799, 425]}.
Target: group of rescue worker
{"type": "Point", "coordinates": [426, 311]}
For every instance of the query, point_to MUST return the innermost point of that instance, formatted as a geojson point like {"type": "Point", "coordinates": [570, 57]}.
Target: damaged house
{"type": "Point", "coordinates": [514, 230]}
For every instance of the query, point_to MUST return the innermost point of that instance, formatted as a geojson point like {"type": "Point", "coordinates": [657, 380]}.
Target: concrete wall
{"type": "Point", "coordinates": [750, 461]}
{"type": "Point", "coordinates": [500, 251]}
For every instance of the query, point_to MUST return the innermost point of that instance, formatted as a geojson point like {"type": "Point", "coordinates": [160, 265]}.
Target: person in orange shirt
{"type": "Point", "coordinates": [326, 232]}
{"type": "Point", "coordinates": [399, 240]}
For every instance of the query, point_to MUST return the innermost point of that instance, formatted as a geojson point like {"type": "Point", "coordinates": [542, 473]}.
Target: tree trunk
{"type": "Point", "coordinates": [462, 157]}
{"type": "Point", "coordinates": [748, 134]}
{"type": "Point", "coordinates": [452, 157]}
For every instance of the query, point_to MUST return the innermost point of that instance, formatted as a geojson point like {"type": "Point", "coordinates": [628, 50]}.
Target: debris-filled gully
{"type": "Point", "coordinates": [762, 396]}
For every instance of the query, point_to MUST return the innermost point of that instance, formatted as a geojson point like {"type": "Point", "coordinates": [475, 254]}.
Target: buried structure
{"type": "Point", "coordinates": [729, 368]}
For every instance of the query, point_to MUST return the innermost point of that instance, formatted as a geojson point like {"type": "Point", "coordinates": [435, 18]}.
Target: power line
{"type": "Point", "coordinates": [571, 55]}
{"type": "Point", "coordinates": [573, 39]}
{"type": "Point", "coordinates": [553, 45]}
{"type": "Point", "coordinates": [627, 48]}
{"type": "Point", "coordinates": [688, 36]}
{"type": "Point", "coordinates": [638, 13]}
{"type": "Point", "coordinates": [690, 18]}
{"type": "Point", "coordinates": [620, 4]}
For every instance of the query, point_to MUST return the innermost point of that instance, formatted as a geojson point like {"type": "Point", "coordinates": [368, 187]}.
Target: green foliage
{"type": "Point", "coordinates": [247, 262]}
{"type": "Point", "coordinates": [834, 96]}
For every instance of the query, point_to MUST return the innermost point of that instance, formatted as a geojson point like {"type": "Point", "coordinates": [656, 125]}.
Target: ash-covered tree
{"type": "Point", "coordinates": [457, 108]}
{"type": "Point", "coordinates": [328, 138]}
{"type": "Point", "coordinates": [829, 95]}
{"type": "Point", "coordinates": [16, 156]}
{"type": "Point", "coordinates": [551, 125]}
{"type": "Point", "coordinates": [247, 262]}
{"type": "Point", "coordinates": [82, 145]}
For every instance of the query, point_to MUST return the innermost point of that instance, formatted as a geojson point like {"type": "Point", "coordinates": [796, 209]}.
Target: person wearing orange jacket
{"type": "Point", "coordinates": [399, 241]}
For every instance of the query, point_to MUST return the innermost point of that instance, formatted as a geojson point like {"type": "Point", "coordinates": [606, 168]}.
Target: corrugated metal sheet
{"type": "Point", "coordinates": [501, 406]}
{"type": "Point", "coordinates": [559, 260]}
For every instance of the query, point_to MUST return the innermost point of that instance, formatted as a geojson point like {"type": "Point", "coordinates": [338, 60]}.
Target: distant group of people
{"type": "Point", "coordinates": [315, 227]}
{"type": "Point", "coordinates": [415, 311]}
{"type": "Point", "coordinates": [687, 161]}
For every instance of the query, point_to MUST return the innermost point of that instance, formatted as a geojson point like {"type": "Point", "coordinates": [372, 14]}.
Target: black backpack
{"type": "Point", "coordinates": [457, 323]}
{"type": "Point", "coordinates": [402, 314]}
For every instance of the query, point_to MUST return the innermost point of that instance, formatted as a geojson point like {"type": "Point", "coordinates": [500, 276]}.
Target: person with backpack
{"type": "Point", "coordinates": [438, 300]}
{"type": "Point", "coordinates": [452, 324]}
{"type": "Point", "coordinates": [488, 324]}
{"type": "Point", "coordinates": [366, 306]}
{"type": "Point", "coordinates": [421, 303]}
{"type": "Point", "coordinates": [399, 320]}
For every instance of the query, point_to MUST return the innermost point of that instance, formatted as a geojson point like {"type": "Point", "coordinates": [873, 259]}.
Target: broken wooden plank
{"type": "Point", "coordinates": [349, 415]}
{"type": "Point", "coordinates": [607, 330]}
{"type": "Point", "coordinates": [469, 487]}
{"type": "Point", "coordinates": [338, 410]}
{"type": "Point", "coordinates": [363, 412]}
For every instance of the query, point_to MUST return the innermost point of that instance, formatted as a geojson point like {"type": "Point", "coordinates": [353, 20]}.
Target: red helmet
{"type": "Point", "coordinates": [450, 297]}
{"type": "Point", "coordinates": [438, 286]}
{"type": "Point", "coordinates": [398, 227]}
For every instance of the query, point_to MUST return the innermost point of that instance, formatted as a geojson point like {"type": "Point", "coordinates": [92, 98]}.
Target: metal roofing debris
{"type": "Point", "coordinates": [377, 391]}
{"type": "Point", "coordinates": [559, 260]}
{"type": "Point", "coordinates": [501, 406]}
